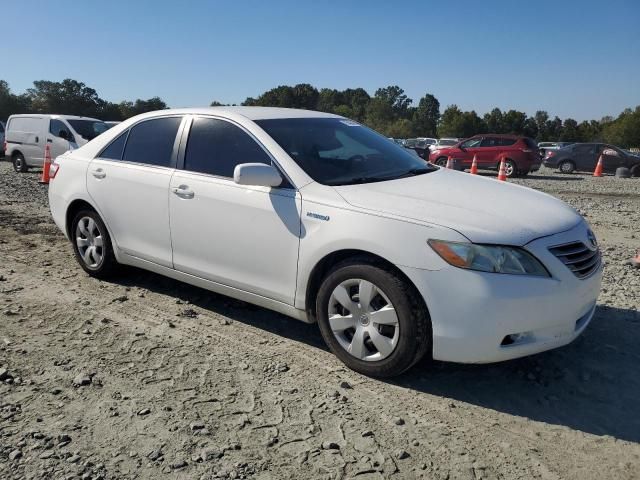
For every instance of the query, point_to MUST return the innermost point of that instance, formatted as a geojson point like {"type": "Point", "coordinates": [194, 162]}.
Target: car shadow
{"type": "Point", "coordinates": [591, 385]}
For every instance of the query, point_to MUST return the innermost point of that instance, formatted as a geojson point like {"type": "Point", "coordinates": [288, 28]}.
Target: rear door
{"type": "Point", "coordinates": [585, 156]}
{"type": "Point", "coordinates": [129, 182]}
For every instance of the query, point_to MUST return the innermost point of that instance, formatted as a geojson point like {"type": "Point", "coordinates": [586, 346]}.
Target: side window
{"type": "Point", "coordinates": [115, 148]}
{"type": "Point", "coordinates": [56, 126]}
{"type": "Point", "coordinates": [472, 142]}
{"type": "Point", "coordinates": [151, 142]}
{"type": "Point", "coordinates": [506, 142]}
{"type": "Point", "coordinates": [490, 142]}
{"type": "Point", "coordinates": [215, 147]}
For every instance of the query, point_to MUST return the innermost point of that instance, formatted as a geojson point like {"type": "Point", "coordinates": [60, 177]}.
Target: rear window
{"type": "Point", "coordinates": [530, 143]}
{"type": "Point", "coordinates": [25, 124]}
{"type": "Point", "coordinates": [151, 142]}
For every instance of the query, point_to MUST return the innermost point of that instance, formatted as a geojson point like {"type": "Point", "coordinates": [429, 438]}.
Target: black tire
{"type": "Point", "coordinates": [635, 170]}
{"type": "Point", "coordinates": [19, 163]}
{"type": "Point", "coordinates": [414, 323]}
{"type": "Point", "coordinates": [108, 265]}
{"type": "Point", "coordinates": [511, 169]}
{"type": "Point", "coordinates": [442, 161]}
{"type": "Point", "coordinates": [567, 167]}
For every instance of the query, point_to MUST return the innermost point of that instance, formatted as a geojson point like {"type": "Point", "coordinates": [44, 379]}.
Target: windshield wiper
{"type": "Point", "coordinates": [358, 180]}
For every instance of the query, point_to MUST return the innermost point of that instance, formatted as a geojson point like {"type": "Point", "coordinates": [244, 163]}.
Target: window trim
{"type": "Point", "coordinates": [287, 184]}
{"type": "Point", "coordinates": [174, 151]}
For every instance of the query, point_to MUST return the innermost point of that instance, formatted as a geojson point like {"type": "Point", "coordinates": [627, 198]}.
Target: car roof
{"type": "Point", "coordinates": [53, 115]}
{"type": "Point", "coordinates": [252, 113]}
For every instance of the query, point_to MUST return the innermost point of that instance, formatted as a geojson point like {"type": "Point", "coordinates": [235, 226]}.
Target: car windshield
{"type": "Point", "coordinates": [337, 151]}
{"type": "Point", "coordinates": [88, 129]}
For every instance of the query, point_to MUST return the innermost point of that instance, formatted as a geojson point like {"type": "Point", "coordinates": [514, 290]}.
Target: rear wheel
{"type": "Point", "coordinates": [92, 244]}
{"type": "Point", "coordinates": [19, 163]}
{"type": "Point", "coordinates": [566, 166]}
{"type": "Point", "coordinates": [370, 319]}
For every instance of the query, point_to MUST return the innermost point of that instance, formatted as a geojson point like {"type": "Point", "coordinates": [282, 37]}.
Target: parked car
{"type": "Point", "coordinates": [443, 142]}
{"type": "Point", "coordinates": [584, 157]}
{"type": "Point", "coordinates": [520, 153]}
{"type": "Point", "coordinates": [2, 139]}
{"type": "Point", "coordinates": [421, 147]}
{"type": "Point", "coordinates": [27, 135]}
{"type": "Point", "coordinates": [544, 147]}
{"type": "Point", "coordinates": [322, 219]}
{"type": "Point", "coordinates": [111, 123]}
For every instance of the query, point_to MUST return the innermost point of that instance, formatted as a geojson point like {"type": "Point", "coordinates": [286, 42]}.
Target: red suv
{"type": "Point", "coordinates": [520, 153]}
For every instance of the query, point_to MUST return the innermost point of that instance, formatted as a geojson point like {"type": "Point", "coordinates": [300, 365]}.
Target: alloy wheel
{"type": "Point", "coordinates": [363, 320]}
{"type": "Point", "coordinates": [509, 169]}
{"type": "Point", "coordinates": [89, 241]}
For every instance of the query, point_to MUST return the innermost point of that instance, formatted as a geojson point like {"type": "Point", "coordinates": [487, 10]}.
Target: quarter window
{"type": "Point", "coordinates": [215, 147]}
{"type": "Point", "coordinates": [472, 142]}
{"type": "Point", "coordinates": [151, 142]}
{"type": "Point", "coordinates": [114, 150]}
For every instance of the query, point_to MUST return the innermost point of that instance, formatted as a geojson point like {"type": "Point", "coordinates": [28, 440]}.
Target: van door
{"type": "Point", "coordinates": [58, 137]}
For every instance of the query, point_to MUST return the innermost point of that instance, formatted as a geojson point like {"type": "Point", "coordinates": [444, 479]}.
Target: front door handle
{"type": "Point", "coordinates": [183, 191]}
{"type": "Point", "coordinates": [99, 173]}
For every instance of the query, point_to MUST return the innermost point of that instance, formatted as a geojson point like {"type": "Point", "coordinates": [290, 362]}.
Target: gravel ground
{"type": "Point", "coordinates": [145, 377]}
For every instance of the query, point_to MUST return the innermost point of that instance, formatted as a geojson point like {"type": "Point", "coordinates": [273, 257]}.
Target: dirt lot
{"type": "Point", "coordinates": [145, 377]}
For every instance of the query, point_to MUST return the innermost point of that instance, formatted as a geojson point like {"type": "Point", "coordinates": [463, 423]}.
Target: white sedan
{"type": "Point", "coordinates": [320, 218]}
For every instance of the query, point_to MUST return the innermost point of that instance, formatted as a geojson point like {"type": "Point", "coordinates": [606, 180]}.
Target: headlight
{"type": "Point", "coordinates": [489, 258]}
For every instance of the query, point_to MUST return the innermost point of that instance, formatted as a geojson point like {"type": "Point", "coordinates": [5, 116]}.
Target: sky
{"type": "Point", "coordinates": [578, 59]}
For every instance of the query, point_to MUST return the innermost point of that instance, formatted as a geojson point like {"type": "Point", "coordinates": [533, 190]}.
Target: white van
{"type": "Point", "coordinates": [27, 135]}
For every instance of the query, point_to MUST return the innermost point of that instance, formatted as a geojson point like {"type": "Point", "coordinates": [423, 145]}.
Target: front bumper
{"type": "Point", "coordinates": [482, 317]}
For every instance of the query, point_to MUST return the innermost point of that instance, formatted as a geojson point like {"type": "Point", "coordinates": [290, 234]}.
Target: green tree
{"type": "Point", "coordinates": [569, 131]}
{"type": "Point", "coordinates": [495, 121]}
{"type": "Point", "coordinates": [541, 118]}
{"type": "Point", "coordinates": [395, 97]}
{"type": "Point", "coordinates": [130, 109]}
{"type": "Point", "coordinates": [11, 104]}
{"type": "Point", "coordinates": [456, 123]}
{"type": "Point", "coordinates": [426, 116]}
{"type": "Point", "coordinates": [68, 97]}
{"type": "Point", "coordinates": [514, 122]}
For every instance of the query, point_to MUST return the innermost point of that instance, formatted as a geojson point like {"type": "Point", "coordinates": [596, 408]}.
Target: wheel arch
{"type": "Point", "coordinates": [74, 207]}
{"type": "Point", "coordinates": [324, 265]}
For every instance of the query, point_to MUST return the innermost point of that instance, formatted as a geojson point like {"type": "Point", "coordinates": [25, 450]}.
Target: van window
{"type": "Point", "coordinates": [25, 124]}
{"type": "Point", "coordinates": [55, 126]}
{"type": "Point", "coordinates": [115, 148]}
{"type": "Point", "coordinates": [216, 147]}
{"type": "Point", "coordinates": [151, 142]}
{"type": "Point", "coordinates": [88, 129]}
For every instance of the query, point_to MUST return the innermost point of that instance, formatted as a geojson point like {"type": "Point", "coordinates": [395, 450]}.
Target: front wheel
{"type": "Point", "coordinates": [510, 168]}
{"type": "Point", "coordinates": [92, 244]}
{"type": "Point", "coordinates": [635, 170]}
{"type": "Point", "coordinates": [442, 161]}
{"type": "Point", "coordinates": [370, 319]}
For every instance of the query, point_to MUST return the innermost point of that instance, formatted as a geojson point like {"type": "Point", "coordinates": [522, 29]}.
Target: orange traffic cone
{"type": "Point", "coordinates": [598, 171]}
{"type": "Point", "coordinates": [474, 166]}
{"type": "Point", "coordinates": [449, 162]}
{"type": "Point", "coordinates": [45, 165]}
{"type": "Point", "coordinates": [502, 173]}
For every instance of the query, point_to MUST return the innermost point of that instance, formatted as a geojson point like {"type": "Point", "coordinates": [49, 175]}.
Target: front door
{"type": "Point", "coordinates": [58, 138]}
{"type": "Point", "coordinates": [241, 236]}
{"type": "Point", "coordinates": [129, 183]}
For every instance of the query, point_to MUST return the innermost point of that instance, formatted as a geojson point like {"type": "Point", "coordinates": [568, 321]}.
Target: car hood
{"type": "Point", "coordinates": [482, 209]}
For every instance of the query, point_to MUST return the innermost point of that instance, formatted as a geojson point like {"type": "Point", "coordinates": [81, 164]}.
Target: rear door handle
{"type": "Point", "coordinates": [183, 191]}
{"type": "Point", "coordinates": [99, 173]}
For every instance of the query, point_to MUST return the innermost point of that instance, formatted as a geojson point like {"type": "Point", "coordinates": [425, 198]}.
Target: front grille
{"type": "Point", "coordinates": [578, 258]}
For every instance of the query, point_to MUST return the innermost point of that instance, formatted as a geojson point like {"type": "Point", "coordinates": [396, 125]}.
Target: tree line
{"type": "Point", "coordinates": [70, 97]}
{"type": "Point", "coordinates": [389, 111]}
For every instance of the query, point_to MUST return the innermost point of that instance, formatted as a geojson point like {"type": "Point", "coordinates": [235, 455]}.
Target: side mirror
{"type": "Point", "coordinates": [257, 174]}
{"type": "Point", "coordinates": [64, 134]}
